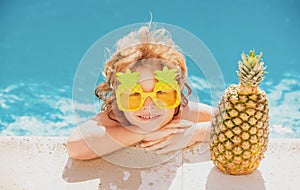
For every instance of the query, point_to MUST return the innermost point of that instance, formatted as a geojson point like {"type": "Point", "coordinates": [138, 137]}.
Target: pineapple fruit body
{"type": "Point", "coordinates": [240, 126]}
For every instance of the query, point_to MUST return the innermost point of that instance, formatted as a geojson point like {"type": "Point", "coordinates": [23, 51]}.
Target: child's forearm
{"type": "Point", "coordinates": [202, 132]}
{"type": "Point", "coordinates": [197, 112]}
{"type": "Point", "coordinates": [89, 140]}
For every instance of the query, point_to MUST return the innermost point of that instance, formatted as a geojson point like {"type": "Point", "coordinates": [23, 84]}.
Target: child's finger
{"type": "Point", "coordinates": [151, 143]}
{"type": "Point", "coordinates": [169, 148]}
{"type": "Point", "coordinates": [161, 134]}
{"type": "Point", "coordinates": [176, 126]}
{"type": "Point", "coordinates": [158, 146]}
{"type": "Point", "coordinates": [180, 124]}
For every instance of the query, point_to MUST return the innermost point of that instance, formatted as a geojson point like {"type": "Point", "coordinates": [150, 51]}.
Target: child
{"type": "Point", "coordinates": [143, 101]}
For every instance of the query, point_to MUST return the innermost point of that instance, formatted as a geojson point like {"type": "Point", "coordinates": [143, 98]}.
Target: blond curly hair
{"type": "Point", "coordinates": [142, 47]}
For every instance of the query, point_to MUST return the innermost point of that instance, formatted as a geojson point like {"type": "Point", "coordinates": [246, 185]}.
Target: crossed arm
{"type": "Point", "coordinates": [100, 136]}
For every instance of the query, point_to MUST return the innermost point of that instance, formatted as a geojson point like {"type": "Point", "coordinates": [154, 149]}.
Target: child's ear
{"type": "Point", "coordinates": [177, 113]}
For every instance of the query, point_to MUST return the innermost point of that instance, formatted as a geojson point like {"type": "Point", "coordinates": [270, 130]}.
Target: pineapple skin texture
{"type": "Point", "coordinates": [240, 129]}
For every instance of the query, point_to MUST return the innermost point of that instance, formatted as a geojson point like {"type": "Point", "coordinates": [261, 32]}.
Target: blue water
{"type": "Point", "coordinates": [42, 43]}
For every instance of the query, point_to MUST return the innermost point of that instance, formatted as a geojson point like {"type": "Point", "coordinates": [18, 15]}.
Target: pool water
{"type": "Point", "coordinates": [42, 43]}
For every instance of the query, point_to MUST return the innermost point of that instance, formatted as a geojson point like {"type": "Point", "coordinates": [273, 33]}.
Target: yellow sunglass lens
{"type": "Point", "coordinates": [166, 98]}
{"type": "Point", "coordinates": [130, 101]}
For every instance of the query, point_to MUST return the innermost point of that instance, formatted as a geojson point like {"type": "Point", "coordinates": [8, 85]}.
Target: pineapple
{"type": "Point", "coordinates": [240, 127]}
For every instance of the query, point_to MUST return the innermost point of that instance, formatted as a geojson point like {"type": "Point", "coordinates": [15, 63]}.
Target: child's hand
{"type": "Point", "coordinates": [176, 135]}
{"type": "Point", "coordinates": [176, 126]}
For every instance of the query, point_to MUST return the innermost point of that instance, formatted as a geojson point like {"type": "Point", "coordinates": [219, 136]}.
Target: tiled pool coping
{"type": "Point", "coordinates": [34, 163]}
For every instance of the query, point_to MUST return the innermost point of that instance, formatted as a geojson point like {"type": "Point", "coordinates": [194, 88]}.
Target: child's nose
{"type": "Point", "coordinates": [148, 103]}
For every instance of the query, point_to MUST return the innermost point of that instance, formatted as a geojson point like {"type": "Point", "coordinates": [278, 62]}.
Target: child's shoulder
{"type": "Point", "coordinates": [103, 119]}
{"type": "Point", "coordinates": [196, 112]}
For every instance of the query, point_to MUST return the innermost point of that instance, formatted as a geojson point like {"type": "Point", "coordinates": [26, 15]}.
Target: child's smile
{"type": "Point", "coordinates": [148, 117]}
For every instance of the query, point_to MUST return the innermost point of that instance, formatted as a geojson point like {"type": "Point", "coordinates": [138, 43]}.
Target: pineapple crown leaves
{"type": "Point", "coordinates": [166, 75]}
{"type": "Point", "coordinates": [128, 78]}
{"type": "Point", "coordinates": [251, 69]}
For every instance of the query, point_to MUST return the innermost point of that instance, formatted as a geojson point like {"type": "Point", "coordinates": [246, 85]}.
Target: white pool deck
{"type": "Point", "coordinates": [35, 163]}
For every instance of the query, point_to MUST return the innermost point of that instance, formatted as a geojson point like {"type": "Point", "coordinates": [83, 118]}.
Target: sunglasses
{"type": "Point", "coordinates": [131, 96]}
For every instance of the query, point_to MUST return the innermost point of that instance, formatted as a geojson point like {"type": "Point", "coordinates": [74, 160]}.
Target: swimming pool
{"type": "Point", "coordinates": [42, 43]}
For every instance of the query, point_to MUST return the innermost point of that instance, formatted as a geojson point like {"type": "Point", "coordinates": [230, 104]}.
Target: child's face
{"type": "Point", "coordinates": [149, 117]}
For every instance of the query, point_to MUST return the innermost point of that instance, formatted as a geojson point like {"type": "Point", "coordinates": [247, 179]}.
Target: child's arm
{"type": "Point", "coordinates": [197, 130]}
{"type": "Point", "coordinates": [193, 133]}
{"type": "Point", "coordinates": [197, 112]}
{"type": "Point", "coordinates": [90, 140]}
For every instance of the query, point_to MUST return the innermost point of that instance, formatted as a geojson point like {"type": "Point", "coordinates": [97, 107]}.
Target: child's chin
{"type": "Point", "coordinates": [150, 126]}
